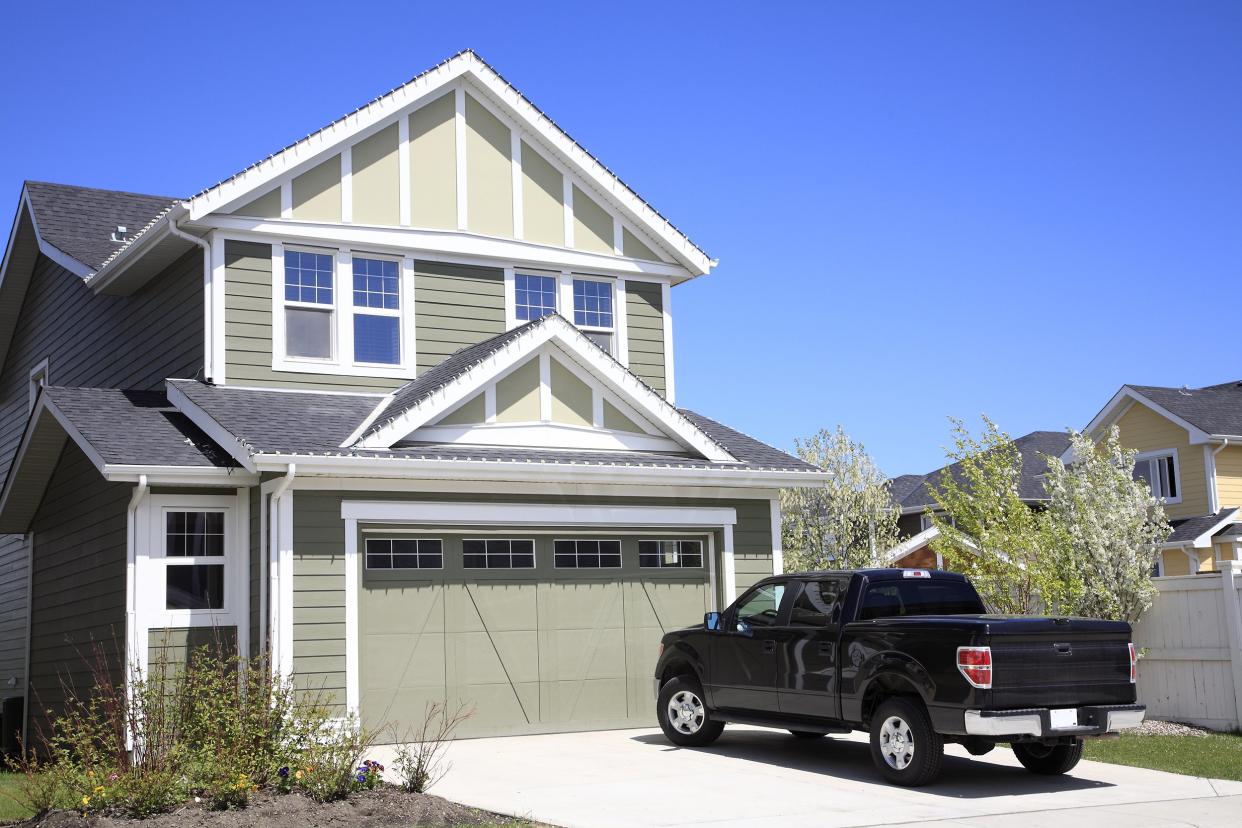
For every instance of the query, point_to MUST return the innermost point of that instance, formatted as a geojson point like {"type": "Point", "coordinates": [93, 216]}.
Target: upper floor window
{"type": "Point", "coordinates": [536, 296]}
{"type": "Point", "coordinates": [593, 310]}
{"type": "Point", "coordinates": [1159, 471]}
{"type": "Point", "coordinates": [377, 329]}
{"type": "Point", "coordinates": [308, 305]}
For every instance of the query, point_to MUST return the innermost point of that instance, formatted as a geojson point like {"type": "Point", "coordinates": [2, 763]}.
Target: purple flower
{"type": "Point", "coordinates": [283, 773]}
{"type": "Point", "coordinates": [362, 777]}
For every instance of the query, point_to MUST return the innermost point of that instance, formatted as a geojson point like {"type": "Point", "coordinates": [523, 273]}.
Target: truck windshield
{"type": "Point", "coordinates": [893, 599]}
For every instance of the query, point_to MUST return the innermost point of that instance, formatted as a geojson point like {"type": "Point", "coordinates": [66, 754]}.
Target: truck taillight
{"type": "Point", "coordinates": [975, 664]}
{"type": "Point", "coordinates": [1133, 664]}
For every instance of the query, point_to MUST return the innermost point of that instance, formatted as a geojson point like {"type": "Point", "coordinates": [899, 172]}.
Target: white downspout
{"type": "Point", "coordinates": [271, 562]}
{"type": "Point", "coordinates": [134, 662]}
{"type": "Point", "coordinates": [1213, 493]}
{"type": "Point", "coordinates": [209, 368]}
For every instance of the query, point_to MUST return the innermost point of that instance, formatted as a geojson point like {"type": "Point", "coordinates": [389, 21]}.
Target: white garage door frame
{"type": "Point", "coordinates": [518, 514]}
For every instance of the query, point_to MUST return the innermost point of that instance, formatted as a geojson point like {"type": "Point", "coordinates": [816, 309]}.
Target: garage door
{"type": "Point", "coordinates": [537, 632]}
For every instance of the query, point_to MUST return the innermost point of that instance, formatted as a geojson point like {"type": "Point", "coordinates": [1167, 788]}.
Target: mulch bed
{"type": "Point", "coordinates": [386, 805]}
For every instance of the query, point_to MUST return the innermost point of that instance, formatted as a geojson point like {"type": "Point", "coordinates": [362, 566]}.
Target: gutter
{"type": "Point", "coordinates": [132, 645]}
{"type": "Point", "coordinates": [271, 561]}
{"type": "Point", "coordinates": [1213, 493]}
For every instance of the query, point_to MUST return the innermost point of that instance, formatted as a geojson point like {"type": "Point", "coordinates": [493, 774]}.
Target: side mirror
{"type": "Point", "coordinates": [711, 621]}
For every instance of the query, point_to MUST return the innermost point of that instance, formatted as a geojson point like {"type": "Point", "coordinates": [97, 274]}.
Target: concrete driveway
{"type": "Point", "coordinates": [753, 777]}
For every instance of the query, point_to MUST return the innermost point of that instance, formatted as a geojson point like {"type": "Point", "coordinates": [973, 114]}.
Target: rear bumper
{"type": "Point", "coordinates": [1037, 722]}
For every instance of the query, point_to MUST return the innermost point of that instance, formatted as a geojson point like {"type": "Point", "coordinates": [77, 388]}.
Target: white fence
{"type": "Point", "coordinates": [1192, 668]}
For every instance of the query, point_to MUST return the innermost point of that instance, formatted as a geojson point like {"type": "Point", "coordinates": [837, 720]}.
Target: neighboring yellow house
{"type": "Point", "coordinates": [1190, 451]}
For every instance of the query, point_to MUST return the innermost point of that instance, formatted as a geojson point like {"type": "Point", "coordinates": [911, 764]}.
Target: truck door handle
{"type": "Point", "coordinates": [769, 646]}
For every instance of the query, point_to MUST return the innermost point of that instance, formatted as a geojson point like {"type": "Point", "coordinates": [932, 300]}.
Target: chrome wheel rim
{"type": "Point", "coordinates": [685, 713]}
{"type": "Point", "coordinates": [896, 743]}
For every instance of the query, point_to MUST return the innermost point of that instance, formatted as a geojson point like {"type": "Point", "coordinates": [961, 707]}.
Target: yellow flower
{"type": "Point", "coordinates": [91, 774]}
{"type": "Point", "coordinates": [297, 775]}
{"type": "Point", "coordinates": [99, 789]}
{"type": "Point", "coordinates": [86, 800]}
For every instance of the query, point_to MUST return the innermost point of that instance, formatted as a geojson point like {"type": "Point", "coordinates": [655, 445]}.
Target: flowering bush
{"type": "Point", "coordinates": [370, 774]}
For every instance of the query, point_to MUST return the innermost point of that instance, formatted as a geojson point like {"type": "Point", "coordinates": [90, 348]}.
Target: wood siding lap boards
{"type": "Point", "coordinates": [644, 313]}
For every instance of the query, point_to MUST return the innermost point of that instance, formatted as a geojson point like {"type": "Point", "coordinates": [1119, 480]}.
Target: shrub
{"type": "Point", "coordinates": [331, 764]}
{"type": "Point", "coordinates": [420, 753]}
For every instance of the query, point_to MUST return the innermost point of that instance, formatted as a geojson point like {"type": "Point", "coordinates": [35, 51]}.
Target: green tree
{"type": "Point", "coordinates": [1111, 526]}
{"type": "Point", "coordinates": [846, 523]}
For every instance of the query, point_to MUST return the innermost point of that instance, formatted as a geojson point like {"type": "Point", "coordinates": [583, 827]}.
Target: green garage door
{"type": "Point", "coordinates": [532, 649]}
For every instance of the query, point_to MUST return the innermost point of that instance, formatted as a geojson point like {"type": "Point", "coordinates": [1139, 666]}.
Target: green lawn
{"type": "Point", "coordinates": [1218, 756]}
{"type": "Point", "coordinates": [10, 787]}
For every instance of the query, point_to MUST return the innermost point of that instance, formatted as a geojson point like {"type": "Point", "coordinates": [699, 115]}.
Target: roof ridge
{"type": "Point", "coordinates": [29, 181]}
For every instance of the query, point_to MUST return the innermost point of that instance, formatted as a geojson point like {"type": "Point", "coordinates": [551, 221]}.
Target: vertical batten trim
{"type": "Point", "coordinates": [618, 238]}
{"type": "Point", "coordinates": [714, 604]}
{"type": "Point", "coordinates": [515, 155]}
{"type": "Point", "coordinates": [669, 389]}
{"type": "Point", "coordinates": [286, 198]}
{"type": "Point", "coordinates": [342, 281]}
{"type": "Point", "coordinates": [729, 565]}
{"type": "Point", "coordinates": [218, 373]}
{"type": "Point", "coordinates": [409, 329]}
{"type": "Point", "coordinates": [278, 311]}
{"type": "Point", "coordinates": [621, 324]}
{"type": "Point", "coordinates": [567, 196]}
{"type": "Point", "coordinates": [545, 387]}
{"type": "Point", "coordinates": [459, 138]}
{"type": "Point", "coordinates": [597, 407]}
{"type": "Point", "coordinates": [510, 298]}
{"type": "Point", "coordinates": [403, 169]}
{"type": "Point", "coordinates": [778, 551]}
{"type": "Point", "coordinates": [352, 640]}
{"type": "Point", "coordinates": [489, 403]}
{"type": "Point", "coordinates": [347, 185]}
{"type": "Point", "coordinates": [565, 295]}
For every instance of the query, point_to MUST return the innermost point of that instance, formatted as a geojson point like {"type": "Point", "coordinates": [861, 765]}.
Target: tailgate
{"type": "Point", "coordinates": [1060, 662]}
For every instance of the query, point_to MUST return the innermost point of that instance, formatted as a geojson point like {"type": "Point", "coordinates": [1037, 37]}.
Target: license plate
{"type": "Point", "coordinates": [1060, 719]}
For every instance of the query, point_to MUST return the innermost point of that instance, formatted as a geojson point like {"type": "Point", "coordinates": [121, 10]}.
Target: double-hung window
{"type": "Point", "coordinates": [309, 305]}
{"type": "Point", "coordinates": [593, 311]}
{"type": "Point", "coordinates": [377, 311]}
{"type": "Point", "coordinates": [194, 565]}
{"type": "Point", "coordinates": [535, 296]}
{"type": "Point", "coordinates": [1159, 471]}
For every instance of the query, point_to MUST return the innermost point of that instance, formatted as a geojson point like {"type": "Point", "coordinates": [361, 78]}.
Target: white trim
{"type": "Point", "coordinates": [729, 565]}
{"type": "Point", "coordinates": [778, 551]}
{"type": "Point", "coordinates": [545, 387]}
{"type": "Point", "coordinates": [403, 170]}
{"type": "Point", "coordinates": [1209, 469]}
{"type": "Point", "coordinates": [364, 484]}
{"type": "Point", "coordinates": [218, 433]}
{"type": "Point", "coordinates": [1118, 405]}
{"type": "Point", "coordinates": [459, 143]}
{"type": "Point", "coordinates": [714, 602]}
{"type": "Point", "coordinates": [511, 320]}
{"type": "Point", "coordinates": [217, 314]}
{"type": "Point", "coordinates": [618, 239]}
{"type": "Point", "coordinates": [457, 246]}
{"type": "Point", "coordinates": [1156, 454]}
{"type": "Point", "coordinates": [1204, 540]}
{"type": "Point", "coordinates": [347, 184]}
{"type": "Point", "coordinates": [621, 321]}
{"type": "Point", "coordinates": [911, 543]}
{"type": "Point", "coordinates": [669, 387]}
{"type": "Point", "coordinates": [286, 198]}
{"type": "Point", "coordinates": [489, 403]}
{"type": "Point", "coordinates": [38, 379]}
{"type": "Point", "coordinates": [46, 248]}
{"type": "Point", "coordinates": [565, 295]}
{"type": "Point", "coordinates": [567, 199]}
{"type": "Point", "coordinates": [352, 641]}
{"type": "Point", "coordinates": [409, 321]}
{"type": "Point", "coordinates": [536, 514]}
{"type": "Point", "coordinates": [515, 165]}
{"type": "Point", "coordinates": [544, 434]}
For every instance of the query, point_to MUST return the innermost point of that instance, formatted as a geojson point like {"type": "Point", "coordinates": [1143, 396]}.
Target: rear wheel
{"type": "Point", "coordinates": [904, 747]}
{"type": "Point", "coordinates": [683, 714]}
{"type": "Point", "coordinates": [1049, 760]}
{"type": "Point", "coordinates": [807, 734]}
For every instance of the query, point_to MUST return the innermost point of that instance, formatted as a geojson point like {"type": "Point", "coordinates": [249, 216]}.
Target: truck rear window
{"type": "Point", "coordinates": [893, 599]}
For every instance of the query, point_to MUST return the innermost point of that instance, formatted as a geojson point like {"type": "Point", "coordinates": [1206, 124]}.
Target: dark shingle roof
{"type": "Point", "coordinates": [307, 423]}
{"type": "Point", "coordinates": [899, 488]}
{"type": "Point", "coordinates": [80, 220]}
{"type": "Point", "coordinates": [1034, 448]}
{"type": "Point", "coordinates": [136, 428]}
{"type": "Point", "coordinates": [1186, 530]}
{"type": "Point", "coordinates": [1216, 409]}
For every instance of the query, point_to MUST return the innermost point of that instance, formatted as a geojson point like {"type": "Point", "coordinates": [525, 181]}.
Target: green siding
{"type": "Point", "coordinates": [644, 316]}
{"type": "Point", "coordinates": [455, 306]}
{"type": "Point", "coordinates": [319, 570]}
{"type": "Point", "coordinates": [174, 646]}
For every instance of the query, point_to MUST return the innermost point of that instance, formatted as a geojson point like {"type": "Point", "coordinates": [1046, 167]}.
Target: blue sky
{"type": "Point", "coordinates": [920, 209]}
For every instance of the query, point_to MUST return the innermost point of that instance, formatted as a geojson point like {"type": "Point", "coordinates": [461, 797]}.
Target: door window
{"type": "Point", "coordinates": [817, 604]}
{"type": "Point", "coordinates": [761, 607]}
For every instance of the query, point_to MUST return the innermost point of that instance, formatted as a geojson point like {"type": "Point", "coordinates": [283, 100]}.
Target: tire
{"type": "Point", "coordinates": [807, 734]}
{"type": "Point", "coordinates": [905, 748]}
{"type": "Point", "coordinates": [1048, 760]}
{"type": "Point", "coordinates": [683, 714]}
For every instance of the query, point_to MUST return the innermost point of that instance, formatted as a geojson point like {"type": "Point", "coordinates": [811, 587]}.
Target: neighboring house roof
{"type": "Point", "coordinates": [911, 544]}
{"type": "Point", "coordinates": [80, 221]}
{"type": "Point", "coordinates": [1034, 448]}
{"type": "Point", "coordinates": [1199, 531]}
{"type": "Point", "coordinates": [1216, 409]}
{"type": "Point", "coordinates": [291, 423]}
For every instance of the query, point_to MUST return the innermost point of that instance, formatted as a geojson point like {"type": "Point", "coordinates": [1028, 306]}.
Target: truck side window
{"type": "Point", "coordinates": [894, 599]}
{"type": "Point", "coordinates": [816, 604]}
{"type": "Point", "coordinates": [761, 608]}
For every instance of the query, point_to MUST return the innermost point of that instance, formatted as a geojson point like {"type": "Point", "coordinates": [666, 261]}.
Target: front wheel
{"type": "Point", "coordinates": [904, 747]}
{"type": "Point", "coordinates": [1048, 760]}
{"type": "Point", "coordinates": [683, 714]}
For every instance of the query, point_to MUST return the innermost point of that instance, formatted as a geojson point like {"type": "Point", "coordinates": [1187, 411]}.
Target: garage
{"type": "Point", "coordinates": [539, 630]}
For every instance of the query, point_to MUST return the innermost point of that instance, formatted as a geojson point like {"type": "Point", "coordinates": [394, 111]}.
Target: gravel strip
{"type": "Point", "coordinates": [1155, 727]}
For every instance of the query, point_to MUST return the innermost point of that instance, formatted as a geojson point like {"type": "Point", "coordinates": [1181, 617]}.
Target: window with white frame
{"type": "Point", "coordinates": [194, 546]}
{"type": "Point", "coordinates": [593, 310]}
{"type": "Point", "coordinates": [309, 305]}
{"type": "Point", "coordinates": [377, 311]}
{"type": "Point", "coordinates": [1159, 471]}
{"type": "Point", "coordinates": [587, 554]}
{"type": "Point", "coordinates": [498, 553]}
{"type": "Point", "coordinates": [405, 553]}
{"type": "Point", "coordinates": [535, 296]}
{"type": "Point", "coordinates": [670, 554]}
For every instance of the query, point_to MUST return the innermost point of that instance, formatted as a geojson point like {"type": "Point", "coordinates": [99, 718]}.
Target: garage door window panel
{"type": "Point", "coordinates": [498, 553]}
{"type": "Point", "coordinates": [587, 554]}
{"type": "Point", "coordinates": [670, 554]}
{"type": "Point", "coordinates": [404, 553]}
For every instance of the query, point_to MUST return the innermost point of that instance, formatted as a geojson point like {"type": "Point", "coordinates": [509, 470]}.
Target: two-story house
{"type": "Point", "coordinates": [396, 403]}
{"type": "Point", "coordinates": [1189, 443]}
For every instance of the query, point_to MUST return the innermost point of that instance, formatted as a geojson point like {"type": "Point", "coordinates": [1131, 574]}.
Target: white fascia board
{"type": "Point", "coordinates": [576, 345]}
{"type": "Point", "coordinates": [405, 98]}
{"type": "Point", "coordinates": [1113, 410]}
{"type": "Point", "coordinates": [218, 433]}
{"type": "Point", "coordinates": [402, 468]}
{"type": "Point", "coordinates": [912, 543]}
{"type": "Point", "coordinates": [147, 238]}
{"type": "Point", "coordinates": [1204, 541]}
{"type": "Point", "coordinates": [535, 514]}
{"type": "Point", "coordinates": [180, 475]}
{"type": "Point", "coordinates": [437, 245]}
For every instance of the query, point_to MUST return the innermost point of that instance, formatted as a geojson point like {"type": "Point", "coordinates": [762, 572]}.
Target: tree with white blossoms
{"type": "Point", "coordinates": [1087, 550]}
{"type": "Point", "coordinates": [849, 521]}
{"type": "Point", "coordinates": [1110, 524]}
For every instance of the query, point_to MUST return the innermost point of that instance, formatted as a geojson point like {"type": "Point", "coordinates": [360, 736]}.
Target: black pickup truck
{"type": "Point", "coordinates": [910, 656]}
